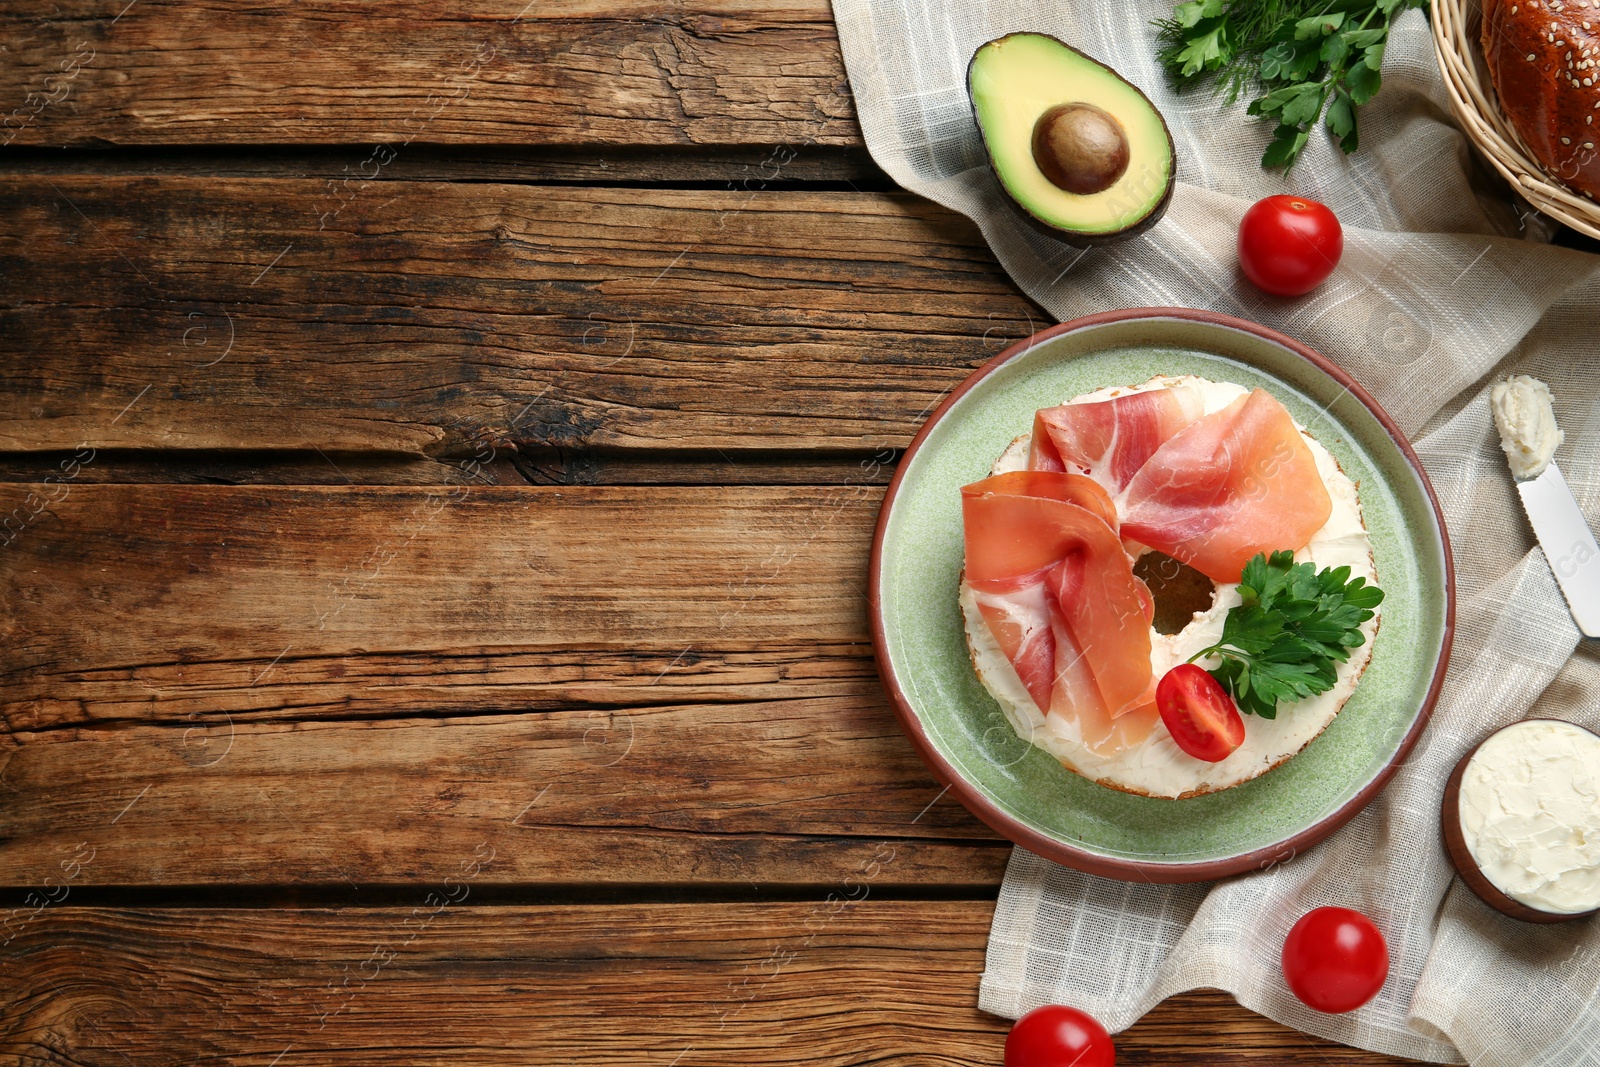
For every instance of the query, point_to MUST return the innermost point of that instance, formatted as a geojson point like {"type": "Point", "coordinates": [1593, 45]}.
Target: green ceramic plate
{"type": "Point", "coordinates": [1024, 793]}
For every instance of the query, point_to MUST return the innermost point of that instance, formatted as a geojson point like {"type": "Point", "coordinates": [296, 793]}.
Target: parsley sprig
{"type": "Point", "coordinates": [1294, 625]}
{"type": "Point", "coordinates": [1310, 59]}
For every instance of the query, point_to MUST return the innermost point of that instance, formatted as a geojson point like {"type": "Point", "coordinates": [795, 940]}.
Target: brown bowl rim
{"type": "Point", "coordinates": [1148, 870]}
{"type": "Point", "coordinates": [1455, 842]}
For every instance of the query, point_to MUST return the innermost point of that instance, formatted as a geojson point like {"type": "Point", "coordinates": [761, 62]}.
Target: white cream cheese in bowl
{"type": "Point", "coordinates": [1529, 811]}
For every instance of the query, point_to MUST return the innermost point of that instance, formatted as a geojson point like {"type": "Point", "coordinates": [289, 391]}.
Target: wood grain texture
{"type": "Point", "coordinates": [833, 982]}
{"type": "Point", "coordinates": [331, 684]}
{"type": "Point", "coordinates": [488, 71]}
{"type": "Point", "coordinates": [758, 793]}
{"type": "Point", "coordinates": [181, 313]}
{"type": "Point", "coordinates": [152, 603]}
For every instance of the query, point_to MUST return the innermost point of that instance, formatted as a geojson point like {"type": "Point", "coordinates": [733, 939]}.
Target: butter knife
{"type": "Point", "coordinates": [1568, 544]}
{"type": "Point", "coordinates": [1524, 413]}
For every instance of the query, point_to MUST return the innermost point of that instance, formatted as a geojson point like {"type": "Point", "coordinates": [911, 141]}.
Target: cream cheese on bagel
{"type": "Point", "coordinates": [1157, 767]}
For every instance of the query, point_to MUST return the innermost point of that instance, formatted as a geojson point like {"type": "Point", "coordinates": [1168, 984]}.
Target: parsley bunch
{"type": "Point", "coordinates": [1295, 624]}
{"type": "Point", "coordinates": [1307, 57]}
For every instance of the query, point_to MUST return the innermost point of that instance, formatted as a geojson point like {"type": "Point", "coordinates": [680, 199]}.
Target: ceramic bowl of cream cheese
{"type": "Point", "coordinates": [1521, 820]}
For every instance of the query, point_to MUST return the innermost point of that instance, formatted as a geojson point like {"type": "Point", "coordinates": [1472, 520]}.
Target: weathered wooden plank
{"type": "Point", "coordinates": [833, 982]}
{"type": "Point", "coordinates": [317, 684]}
{"type": "Point", "coordinates": [425, 317]}
{"type": "Point", "coordinates": [690, 703]}
{"type": "Point", "coordinates": [487, 71]}
{"type": "Point", "coordinates": [782, 792]}
{"type": "Point", "coordinates": [146, 602]}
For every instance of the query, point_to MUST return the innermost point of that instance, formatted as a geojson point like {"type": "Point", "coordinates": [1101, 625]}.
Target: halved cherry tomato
{"type": "Point", "coordinates": [1335, 959]}
{"type": "Point", "coordinates": [1288, 245]}
{"type": "Point", "coordinates": [1058, 1036]}
{"type": "Point", "coordinates": [1200, 715]}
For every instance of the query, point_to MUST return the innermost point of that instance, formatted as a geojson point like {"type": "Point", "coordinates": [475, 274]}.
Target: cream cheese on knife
{"type": "Point", "coordinates": [1526, 418]}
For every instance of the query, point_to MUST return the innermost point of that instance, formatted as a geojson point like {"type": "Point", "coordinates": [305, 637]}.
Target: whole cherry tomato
{"type": "Point", "coordinates": [1288, 245]}
{"type": "Point", "coordinates": [1200, 715]}
{"type": "Point", "coordinates": [1335, 959]}
{"type": "Point", "coordinates": [1058, 1036]}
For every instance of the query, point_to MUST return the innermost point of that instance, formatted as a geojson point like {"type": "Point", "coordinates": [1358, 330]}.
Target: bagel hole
{"type": "Point", "coordinates": [1177, 590]}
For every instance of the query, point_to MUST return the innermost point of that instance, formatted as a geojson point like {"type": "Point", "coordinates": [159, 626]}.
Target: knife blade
{"type": "Point", "coordinates": [1568, 544]}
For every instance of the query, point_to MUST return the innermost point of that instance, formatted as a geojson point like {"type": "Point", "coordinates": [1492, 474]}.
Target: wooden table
{"type": "Point", "coordinates": [441, 445]}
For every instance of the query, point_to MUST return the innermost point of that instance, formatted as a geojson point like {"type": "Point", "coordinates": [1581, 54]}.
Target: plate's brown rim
{"type": "Point", "coordinates": [1150, 870]}
{"type": "Point", "coordinates": [1455, 842]}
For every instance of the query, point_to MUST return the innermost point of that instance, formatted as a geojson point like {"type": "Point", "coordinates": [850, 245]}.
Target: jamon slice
{"type": "Point", "coordinates": [1237, 482]}
{"type": "Point", "coordinates": [1052, 485]}
{"type": "Point", "coordinates": [1111, 439]}
{"type": "Point", "coordinates": [1020, 620]}
{"type": "Point", "coordinates": [1057, 591]}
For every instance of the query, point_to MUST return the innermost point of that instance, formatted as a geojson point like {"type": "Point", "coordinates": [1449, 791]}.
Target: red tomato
{"type": "Point", "coordinates": [1335, 959]}
{"type": "Point", "coordinates": [1200, 715]}
{"type": "Point", "coordinates": [1288, 245]}
{"type": "Point", "coordinates": [1058, 1036]}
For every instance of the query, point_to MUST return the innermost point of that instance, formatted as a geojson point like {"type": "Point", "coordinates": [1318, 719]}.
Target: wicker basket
{"type": "Point", "coordinates": [1456, 27]}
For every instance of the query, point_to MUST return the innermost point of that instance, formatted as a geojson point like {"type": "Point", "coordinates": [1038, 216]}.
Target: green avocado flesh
{"type": "Point", "coordinates": [1017, 80]}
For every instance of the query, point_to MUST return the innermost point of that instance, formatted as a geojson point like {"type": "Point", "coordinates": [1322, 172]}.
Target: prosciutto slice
{"type": "Point", "coordinates": [1234, 483]}
{"type": "Point", "coordinates": [1110, 440]}
{"type": "Point", "coordinates": [1057, 591]}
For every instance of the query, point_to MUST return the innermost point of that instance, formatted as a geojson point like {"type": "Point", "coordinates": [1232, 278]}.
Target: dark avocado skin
{"type": "Point", "coordinates": [1076, 238]}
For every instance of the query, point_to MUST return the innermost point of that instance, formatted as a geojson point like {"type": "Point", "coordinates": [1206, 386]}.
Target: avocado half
{"type": "Point", "coordinates": [1078, 147]}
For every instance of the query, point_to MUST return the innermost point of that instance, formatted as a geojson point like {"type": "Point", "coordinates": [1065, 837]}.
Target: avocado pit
{"type": "Point", "coordinates": [1080, 148]}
